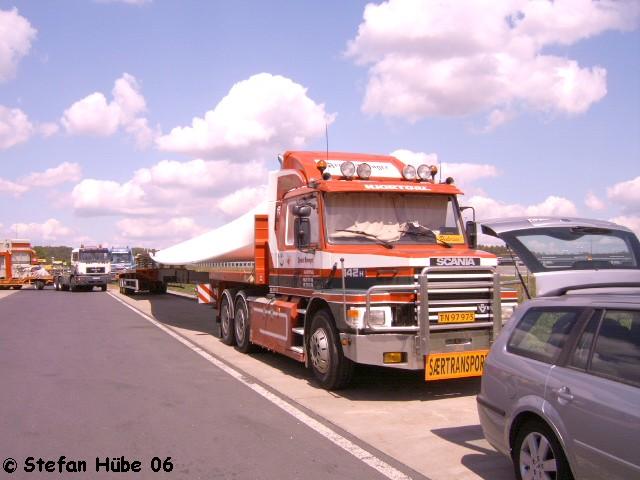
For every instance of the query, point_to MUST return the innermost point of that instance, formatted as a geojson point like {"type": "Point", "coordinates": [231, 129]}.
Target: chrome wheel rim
{"type": "Point", "coordinates": [319, 346]}
{"type": "Point", "coordinates": [537, 461]}
{"type": "Point", "coordinates": [225, 315]}
{"type": "Point", "coordinates": [240, 321]}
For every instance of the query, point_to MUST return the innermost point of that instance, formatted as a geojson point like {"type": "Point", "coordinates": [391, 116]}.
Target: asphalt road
{"type": "Point", "coordinates": [83, 376]}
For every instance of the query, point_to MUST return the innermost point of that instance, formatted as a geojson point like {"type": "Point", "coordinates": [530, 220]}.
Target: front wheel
{"type": "Point", "coordinates": [537, 454]}
{"type": "Point", "coordinates": [330, 367]}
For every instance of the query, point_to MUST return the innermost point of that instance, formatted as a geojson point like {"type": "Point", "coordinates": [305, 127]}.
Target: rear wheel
{"type": "Point", "coordinates": [537, 454]}
{"type": "Point", "coordinates": [330, 367]}
{"type": "Point", "coordinates": [104, 288]}
{"type": "Point", "coordinates": [226, 319]}
{"type": "Point", "coordinates": [39, 284]}
{"type": "Point", "coordinates": [242, 324]}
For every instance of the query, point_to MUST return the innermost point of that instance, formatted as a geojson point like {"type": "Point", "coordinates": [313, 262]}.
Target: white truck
{"type": "Point", "coordinates": [90, 267]}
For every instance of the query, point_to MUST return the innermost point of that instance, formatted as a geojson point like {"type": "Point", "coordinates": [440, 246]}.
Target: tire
{"type": "Point", "coordinates": [56, 285]}
{"type": "Point", "coordinates": [72, 285]}
{"type": "Point", "coordinates": [39, 284]}
{"type": "Point", "coordinates": [227, 333]}
{"type": "Point", "coordinates": [330, 367]}
{"type": "Point", "coordinates": [535, 438]}
{"type": "Point", "coordinates": [242, 324]}
{"type": "Point", "coordinates": [103, 288]}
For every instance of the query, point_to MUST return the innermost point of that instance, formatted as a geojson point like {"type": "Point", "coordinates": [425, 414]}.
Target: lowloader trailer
{"type": "Point", "coordinates": [17, 267]}
{"type": "Point", "coordinates": [353, 259]}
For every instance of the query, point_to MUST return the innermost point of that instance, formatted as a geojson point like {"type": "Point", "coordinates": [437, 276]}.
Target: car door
{"type": "Point", "coordinates": [596, 396]}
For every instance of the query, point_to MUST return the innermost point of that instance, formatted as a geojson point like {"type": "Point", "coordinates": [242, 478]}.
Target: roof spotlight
{"type": "Point", "coordinates": [434, 170]}
{"type": "Point", "coordinates": [449, 180]}
{"type": "Point", "coordinates": [409, 172]}
{"type": "Point", "coordinates": [424, 172]}
{"type": "Point", "coordinates": [321, 165]}
{"type": "Point", "coordinates": [364, 171]}
{"type": "Point", "coordinates": [348, 169]}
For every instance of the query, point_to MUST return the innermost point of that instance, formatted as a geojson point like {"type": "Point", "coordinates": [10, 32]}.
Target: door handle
{"type": "Point", "coordinates": [564, 395]}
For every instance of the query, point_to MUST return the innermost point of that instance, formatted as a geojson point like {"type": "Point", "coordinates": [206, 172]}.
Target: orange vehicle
{"type": "Point", "coordinates": [18, 266]}
{"type": "Point", "coordinates": [353, 259]}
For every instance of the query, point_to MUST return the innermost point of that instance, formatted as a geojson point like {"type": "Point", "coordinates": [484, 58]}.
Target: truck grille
{"type": "Point", "coordinates": [452, 295]}
{"type": "Point", "coordinates": [95, 269]}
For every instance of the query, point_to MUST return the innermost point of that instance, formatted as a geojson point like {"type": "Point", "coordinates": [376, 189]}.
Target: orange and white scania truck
{"type": "Point", "coordinates": [353, 259]}
{"type": "Point", "coordinates": [18, 266]}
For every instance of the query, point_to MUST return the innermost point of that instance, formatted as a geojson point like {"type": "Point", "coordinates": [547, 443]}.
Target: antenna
{"type": "Point", "coordinates": [326, 136]}
{"type": "Point", "coordinates": [440, 171]}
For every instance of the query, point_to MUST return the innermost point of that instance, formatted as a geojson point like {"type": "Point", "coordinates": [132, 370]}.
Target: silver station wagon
{"type": "Point", "coordinates": [560, 392]}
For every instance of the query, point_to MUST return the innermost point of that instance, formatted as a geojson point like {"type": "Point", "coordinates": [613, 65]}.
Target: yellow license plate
{"type": "Point", "coordinates": [441, 366]}
{"type": "Point", "coordinates": [456, 317]}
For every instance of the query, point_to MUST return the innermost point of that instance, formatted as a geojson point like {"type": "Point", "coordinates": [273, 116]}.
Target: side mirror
{"type": "Point", "coordinates": [302, 210]}
{"type": "Point", "coordinates": [302, 228]}
{"type": "Point", "coordinates": [472, 233]}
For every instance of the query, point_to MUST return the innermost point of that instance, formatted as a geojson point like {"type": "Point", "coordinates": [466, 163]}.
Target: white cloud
{"type": "Point", "coordinates": [464, 174]}
{"type": "Point", "coordinates": [626, 195]}
{"type": "Point", "coordinates": [629, 221]}
{"type": "Point", "coordinates": [48, 129]}
{"type": "Point", "coordinates": [15, 127]}
{"type": "Point", "coordinates": [158, 232]}
{"type": "Point", "coordinates": [265, 113]}
{"type": "Point", "coordinates": [51, 229]}
{"type": "Point", "coordinates": [168, 186]}
{"type": "Point", "coordinates": [12, 188]}
{"type": "Point", "coordinates": [16, 35]}
{"type": "Point", "coordinates": [592, 202]}
{"type": "Point", "coordinates": [65, 172]}
{"type": "Point", "coordinates": [95, 115]}
{"type": "Point", "coordinates": [431, 58]}
{"type": "Point", "coordinates": [242, 200]}
{"type": "Point", "coordinates": [487, 207]}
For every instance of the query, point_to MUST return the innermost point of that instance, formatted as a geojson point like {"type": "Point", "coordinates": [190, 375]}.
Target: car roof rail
{"type": "Point", "coordinates": [562, 291]}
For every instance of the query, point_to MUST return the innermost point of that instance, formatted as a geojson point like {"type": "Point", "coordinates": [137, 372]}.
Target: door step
{"type": "Point", "coordinates": [298, 330]}
{"type": "Point", "coordinates": [296, 349]}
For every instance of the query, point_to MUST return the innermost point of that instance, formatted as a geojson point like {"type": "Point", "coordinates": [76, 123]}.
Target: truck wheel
{"type": "Point", "coordinates": [39, 284]}
{"type": "Point", "coordinates": [56, 285]}
{"type": "Point", "coordinates": [537, 453]}
{"type": "Point", "coordinates": [72, 285]}
{"type": "Point", "coordinates": [330, 367]}
{"type": "Point", "coordinates": [226, 319]}
{"type": "Point", "coordinates": [242, 324]}
{"type": "Point", "coordinates": [104, 288]}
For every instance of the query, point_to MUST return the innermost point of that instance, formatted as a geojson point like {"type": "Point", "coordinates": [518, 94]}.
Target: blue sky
{"type": "Point", "coordinates": [534, 107]}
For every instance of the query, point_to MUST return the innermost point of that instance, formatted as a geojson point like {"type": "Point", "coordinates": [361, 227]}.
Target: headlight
{"type": "Point", "coordinates": [347, 169]}
{"type": "Point", "coordinates": [409, 172]}
{"type": "Point", "coordinates": [424, 172]}
{"type": "Point", "coordinates": [364, 171]}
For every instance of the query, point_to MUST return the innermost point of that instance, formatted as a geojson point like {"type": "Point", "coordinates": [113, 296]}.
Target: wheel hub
{"type": "Point", "coordinates": [537, 460]}
{"type": "Point", "coordinates": [239, 321]}
{"type": "Point", "coordinates": [319, 346]}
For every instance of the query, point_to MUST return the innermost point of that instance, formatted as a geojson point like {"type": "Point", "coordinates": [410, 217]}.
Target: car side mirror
{"type": "Point", "coordinates": [302, 210]}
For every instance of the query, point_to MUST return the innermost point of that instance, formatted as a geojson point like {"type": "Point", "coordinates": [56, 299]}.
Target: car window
{"type": "Point", "coordinates": [580, 357]}
{"type": "Point", "coordinates": [542, 333]}
{"type": "Point", "coordinates": [617, 350]}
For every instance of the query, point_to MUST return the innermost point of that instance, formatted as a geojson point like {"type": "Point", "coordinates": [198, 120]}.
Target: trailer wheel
{"type": "Point", "coordinates": [39, 284]}
{"type": "Point", "coordinates": [226, 319]}
{"type": "Point", "coordinates": [242, 324]}
{"type": "Point", "coordinates": [330, 367]}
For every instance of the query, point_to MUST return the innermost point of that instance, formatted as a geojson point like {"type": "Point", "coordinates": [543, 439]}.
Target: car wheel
{"type": "Point", "coordinates": [242, 324]}
{"type": "Point", "coordinates": [538, 455]}
{"type": "Point", "coordinates": [226, 319]}
{"type": "Point", "coordinates": [330, 367]}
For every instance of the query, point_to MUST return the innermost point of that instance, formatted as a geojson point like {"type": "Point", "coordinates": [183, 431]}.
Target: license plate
{"type": "Point", "coordinates": [96, 278]}
{"type": "Point", "coordinates": [456, 317]}
{"type": "Point", "coordinates": [441, 366]}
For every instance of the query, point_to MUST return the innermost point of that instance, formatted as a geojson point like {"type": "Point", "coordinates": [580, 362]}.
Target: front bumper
{"type": "Point", "coordinates": [97, 279]}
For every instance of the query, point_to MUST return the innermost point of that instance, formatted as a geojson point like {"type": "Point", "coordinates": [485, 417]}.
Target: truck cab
{"type": "Point", "coordinates": [121, 260]}
{"type": "Point", "coordinates": [90, 267]}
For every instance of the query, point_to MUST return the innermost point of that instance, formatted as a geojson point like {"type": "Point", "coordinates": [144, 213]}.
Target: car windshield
{"type": "Point", "coordinates": [391, 217]}
{"type": "Point", "coordinates": [94, 256]}
{"type": "Point", "coordinates": [576, 248]}
{"type": "Point", "coordinates": [121, 258]}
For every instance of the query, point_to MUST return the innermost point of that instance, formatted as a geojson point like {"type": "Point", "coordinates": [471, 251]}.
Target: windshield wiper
{"type": "Point", "coordinates": [384, 243]}
{"type": "Point", "coordinates": [421, 230]}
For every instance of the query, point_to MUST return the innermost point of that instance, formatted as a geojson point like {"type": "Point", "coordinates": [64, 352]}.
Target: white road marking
{"type": "Point", "coordinates": [361, 454]}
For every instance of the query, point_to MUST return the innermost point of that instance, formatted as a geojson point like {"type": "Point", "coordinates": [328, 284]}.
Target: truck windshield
{"type": "Point", "coordinates": [391, 217]}
{"type": "Point", "coordinates": [94, 256]}
{"type": "Point", "coordinates": [575, 248]}
{"type": "Point", "coordinates": [121, 258]}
